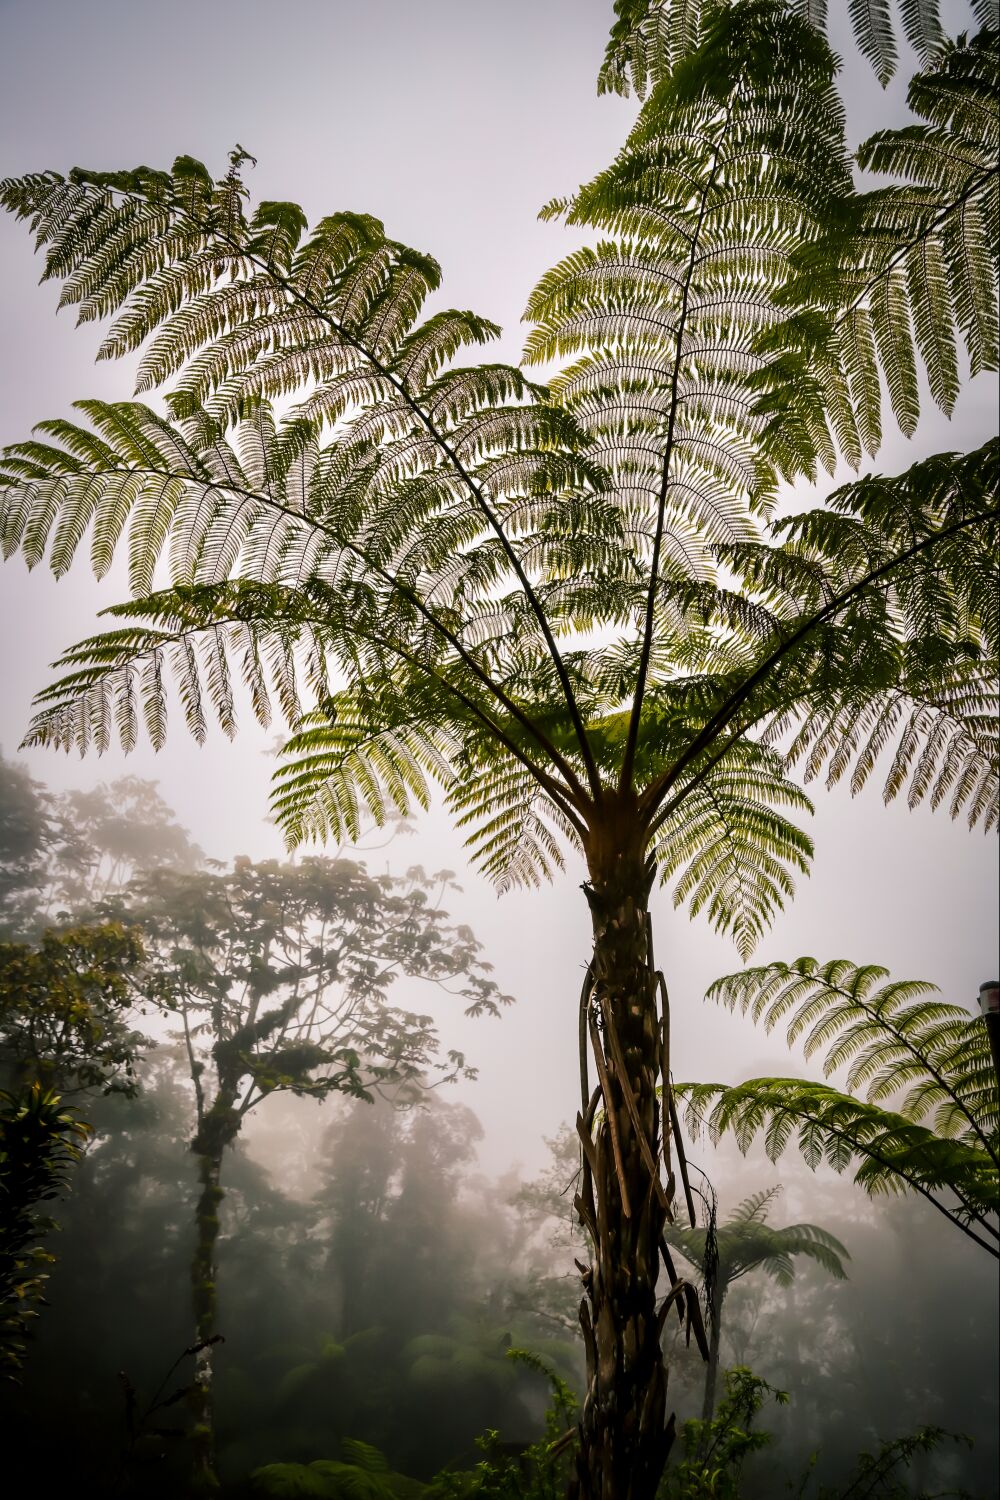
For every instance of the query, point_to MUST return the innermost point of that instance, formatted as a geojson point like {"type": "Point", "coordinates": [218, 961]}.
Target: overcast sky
{"type": "Point", "coordinates": [453, 120]}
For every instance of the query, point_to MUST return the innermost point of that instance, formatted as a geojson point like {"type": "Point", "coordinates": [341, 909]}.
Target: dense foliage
{"type": "Point", "coordinates": [573, 606]}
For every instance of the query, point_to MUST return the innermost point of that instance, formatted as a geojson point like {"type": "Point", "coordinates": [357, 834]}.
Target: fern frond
{"type": "Point", "coordinates": [733, 849]}
{"type": "Point", "coordinates": [889, 1154]}
{"type": "Point", "coordinates": [893, 1038]}
{"type": "Point", "coordinates": [908, 268]}
{"type": "Point", "coordinates": [651, 38]}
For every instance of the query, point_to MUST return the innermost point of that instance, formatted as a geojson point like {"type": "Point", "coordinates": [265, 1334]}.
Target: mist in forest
{"type": "Point", "coordinates": [373, 1278]}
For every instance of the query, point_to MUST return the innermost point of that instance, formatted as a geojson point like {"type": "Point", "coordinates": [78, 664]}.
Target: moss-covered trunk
{"type": "Point", "coordinates": [624, 1433]}
{"type": "Point", "coordinates": [217, 1131]}
{"type": "Point", "coordinates": [203, 1273]}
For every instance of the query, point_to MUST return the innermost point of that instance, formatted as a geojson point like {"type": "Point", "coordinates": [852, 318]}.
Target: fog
{"type": "Point", "coordinates": [454, 122]}
{"type": "Point", "coordinates": [374, 1271]}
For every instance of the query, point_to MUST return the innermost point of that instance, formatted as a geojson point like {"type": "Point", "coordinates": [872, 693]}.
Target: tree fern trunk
{"type": "Point", "coordinates": [624, 1435]}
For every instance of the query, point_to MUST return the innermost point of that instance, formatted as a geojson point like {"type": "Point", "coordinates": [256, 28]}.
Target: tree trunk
{"type": "Point", "coordinates": [624, 1435]}
{"type": "Point", "coordinates": [712, 1371]}
{"type": "Point", "coordinates": [218, 1129]}
{"type": "Point", "coordinates": [204, 1479]}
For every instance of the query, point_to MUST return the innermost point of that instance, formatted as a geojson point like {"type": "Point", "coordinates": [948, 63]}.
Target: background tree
{"type": "Point", "coordinates": [745, 1243]}
{"type": "Point", "coordinates": [67, 1007]}
{"type": "Point", "coordinates": [899, 1044]}
{"type": "Point", "coordinates": [280, 976]}
{"type": "Point", "coordinates": [419, 543]}
{"type": "Point", "coordinates": [109, 836]}
{"type": "Point", "coordinates": [24, 832]}
{"type": "Point", "coordinates": [65, 1033]}
{"type": "Point", "coordinates": [62, 854]}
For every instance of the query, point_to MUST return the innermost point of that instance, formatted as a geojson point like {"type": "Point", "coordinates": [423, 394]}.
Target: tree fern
{"type": "Point", "coordinates": [899, 1045]}
{"type": "Point", "coordinates": [564, 605]}
{"type": "Point", "coordinates": [745, 1243]}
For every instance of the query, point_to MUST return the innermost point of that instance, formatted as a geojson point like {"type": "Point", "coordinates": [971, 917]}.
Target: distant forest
{"type": "Point", "coordinates": [372, 1282]}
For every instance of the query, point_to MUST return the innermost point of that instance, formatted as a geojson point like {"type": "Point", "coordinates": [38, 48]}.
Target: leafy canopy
{"type": "Point", "coordinates": [649, 37]}
{"type": "Point", "coordinates": [563, 604]}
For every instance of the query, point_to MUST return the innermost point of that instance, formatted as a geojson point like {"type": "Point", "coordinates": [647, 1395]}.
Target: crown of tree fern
{"type": "Point", "coordinates": [746, 1242]}
{"type": "Point", "coordinates": [404, 561]}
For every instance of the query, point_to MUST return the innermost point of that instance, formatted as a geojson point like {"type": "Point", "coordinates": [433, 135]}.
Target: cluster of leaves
{"type": "Point", "coordinates": [362, 1474]}
{"type": "Point", "coordinates": [39, 1144]}
{"type": "Point", "coordinates": [65, 1029]}
{"type": "Point", "coordinates": [900, 1045]}
{"type": "Point", "coordinates": [904, 274]}
{"type": "Point", "coordinates": [715, 1451]}
{"type": "Point", "coordinates": [67, 1009]}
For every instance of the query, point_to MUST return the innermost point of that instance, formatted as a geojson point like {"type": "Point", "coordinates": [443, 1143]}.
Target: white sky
{"type": "Point", "coordinates": [453, 120]}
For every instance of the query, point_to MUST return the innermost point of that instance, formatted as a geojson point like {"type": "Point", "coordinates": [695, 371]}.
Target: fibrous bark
{"type": "Point", "coordinates": [625, 1435]}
